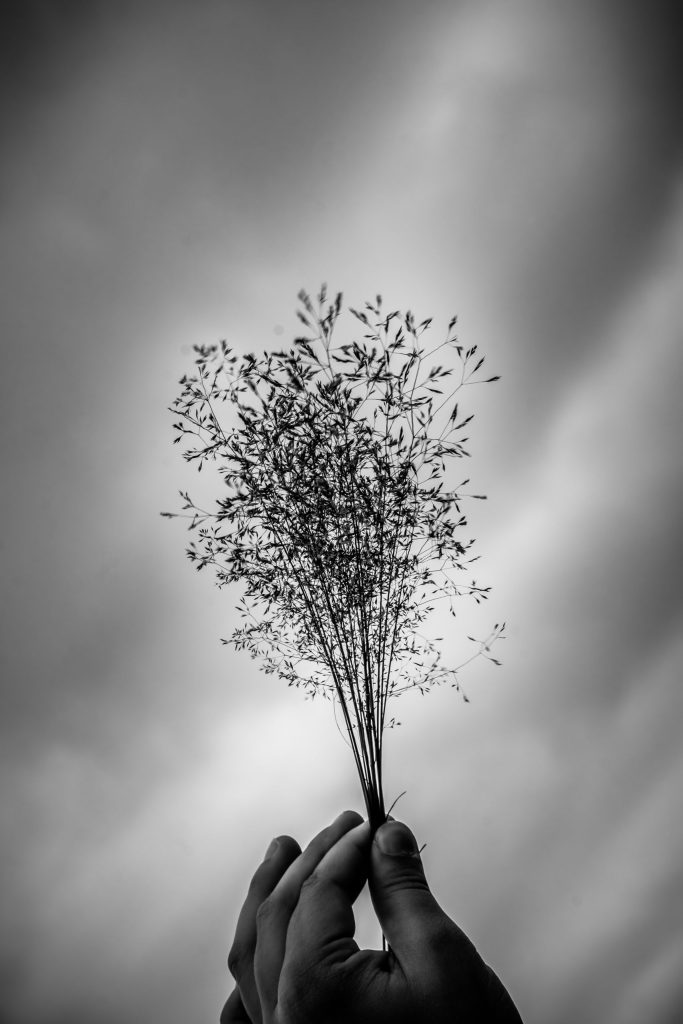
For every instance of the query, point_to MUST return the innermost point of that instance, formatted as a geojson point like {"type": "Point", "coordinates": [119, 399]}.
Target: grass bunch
{"type": "Point", "coordinates": [334, 511]}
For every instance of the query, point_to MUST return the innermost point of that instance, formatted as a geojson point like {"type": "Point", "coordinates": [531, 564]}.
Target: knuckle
{"type": "Point", "coordinates": [236, 958]}
{"type": "Point", "coordinates": [405, 878]}
{"type": "Point", "coordinates": [230, 1013]}
{"type": "Point", "coordinates": [266, 912]}
{"type": "Point", "coordinates": [312, 883]}
{"type": "Point", "coordinates": [445, 937]}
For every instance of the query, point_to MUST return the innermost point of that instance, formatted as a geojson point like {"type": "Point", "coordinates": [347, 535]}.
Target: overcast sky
{"type": "Point", "coordinates": [173, 173]}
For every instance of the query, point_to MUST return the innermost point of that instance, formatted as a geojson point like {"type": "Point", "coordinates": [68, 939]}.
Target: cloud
{"type": "Point", "coordinates": [172, 179]}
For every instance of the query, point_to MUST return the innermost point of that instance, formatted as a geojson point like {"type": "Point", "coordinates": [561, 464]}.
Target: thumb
{"type": "Point", "coordinates": [419, 932]}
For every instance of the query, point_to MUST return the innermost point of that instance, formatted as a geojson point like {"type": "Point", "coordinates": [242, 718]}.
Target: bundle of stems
{"type": "Point", "coordinates": [334, 511]}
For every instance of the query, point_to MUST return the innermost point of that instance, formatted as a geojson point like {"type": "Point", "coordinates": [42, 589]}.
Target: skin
{"type": "Point", "coordinates": [294, 958]}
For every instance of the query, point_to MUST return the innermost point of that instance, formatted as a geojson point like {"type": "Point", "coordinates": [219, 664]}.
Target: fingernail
{"type": "Point", "coordinates": [396, 840]}
{"type": "Point", "coordinates": [272, 847]}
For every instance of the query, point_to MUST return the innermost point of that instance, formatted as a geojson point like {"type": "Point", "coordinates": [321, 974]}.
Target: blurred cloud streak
{"type": "Point", "coordinates": [174, 174]}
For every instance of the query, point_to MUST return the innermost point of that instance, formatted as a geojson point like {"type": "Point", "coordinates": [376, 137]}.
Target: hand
{"type": "Point", "coordinates": [294, 958]}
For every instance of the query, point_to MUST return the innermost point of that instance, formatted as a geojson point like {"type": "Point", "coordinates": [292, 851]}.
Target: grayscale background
{"type": "Point", "coordinates": [172, 173]}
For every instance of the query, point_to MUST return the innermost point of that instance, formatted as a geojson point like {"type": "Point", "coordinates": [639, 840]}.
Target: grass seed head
{"type": "Point", "coordinates": [334, 512]}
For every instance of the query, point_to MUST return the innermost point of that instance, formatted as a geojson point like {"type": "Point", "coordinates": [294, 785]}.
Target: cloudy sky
{"type": "Point", "coordinates": [173, 173]}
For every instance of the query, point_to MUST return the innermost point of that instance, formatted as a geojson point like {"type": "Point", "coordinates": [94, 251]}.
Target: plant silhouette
{"type": "Point", "coordinates": [334, 512]}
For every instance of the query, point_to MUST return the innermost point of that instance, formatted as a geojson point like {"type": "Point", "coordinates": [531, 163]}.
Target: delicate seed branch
{"type": "Point", "coordinates": [335, 515]}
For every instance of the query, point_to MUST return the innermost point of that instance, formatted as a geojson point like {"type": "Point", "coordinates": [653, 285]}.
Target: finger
{"type": "Point", "coordinates": [421, 935]}
{"type": "Point", "coordinates": [275, 912]}
{"type": "Point", "coordinates": [322, 926]}
{"type": "Point", "coordinates": [279, 855]}
{"type": "Point", "coordinates": [233, 1011]}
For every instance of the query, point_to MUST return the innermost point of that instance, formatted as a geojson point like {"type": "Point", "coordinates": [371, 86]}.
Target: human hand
{"type": "Point", "coordinates": [294, 958]}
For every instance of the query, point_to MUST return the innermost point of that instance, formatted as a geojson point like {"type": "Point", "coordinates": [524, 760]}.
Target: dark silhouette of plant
{"type": "Point", "coordinates": [335, 514]}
